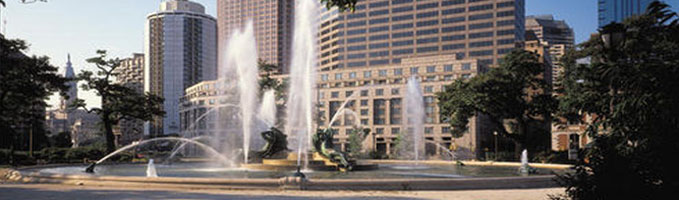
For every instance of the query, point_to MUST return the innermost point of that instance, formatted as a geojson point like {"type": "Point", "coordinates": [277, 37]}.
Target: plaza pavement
{"type": "Point", "coordinates": [53, 191]}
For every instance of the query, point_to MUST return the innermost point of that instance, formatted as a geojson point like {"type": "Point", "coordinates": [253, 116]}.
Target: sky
{"type": "Point", "coordinates": [80, 27]}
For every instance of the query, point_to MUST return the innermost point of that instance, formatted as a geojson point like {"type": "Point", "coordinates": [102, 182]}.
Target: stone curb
{"type": "Point", "coordinates": [287, 183]}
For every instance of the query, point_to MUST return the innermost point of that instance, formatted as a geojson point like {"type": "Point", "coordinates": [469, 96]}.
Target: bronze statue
{"type": "Point", "coordinates": [323, 144]}
{"type": "Point", "coordinates": [276, 142]}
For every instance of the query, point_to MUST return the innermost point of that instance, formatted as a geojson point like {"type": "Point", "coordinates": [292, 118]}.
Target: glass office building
{"type": "Point", "coordinates": [618, 10]}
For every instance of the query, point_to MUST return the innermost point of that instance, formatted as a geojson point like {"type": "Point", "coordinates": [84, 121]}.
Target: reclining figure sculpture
{"type": "Point", "coordinates": [322, 141]}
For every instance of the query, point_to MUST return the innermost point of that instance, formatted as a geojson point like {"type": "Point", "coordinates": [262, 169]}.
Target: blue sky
{"type": "Point", "coordinates": [81, 27]}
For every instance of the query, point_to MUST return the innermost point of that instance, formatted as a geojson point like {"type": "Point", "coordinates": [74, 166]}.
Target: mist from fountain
{"type": "Point", "coordinates": [412, 145]}
{"type": "Point", "coordinates": [241, 60]}
{"type": "Point", "coordinates": [201, 145]}
{"type": "Point", "coordinates": [151, 169]}
{"type": "Point", "coordinates": [301, 101]}
{"type": "Point", "coordinates": [341, 109]}
{"type": "Point", "coordinates": [444, 149]}
{"type": "Point", "coordinates": [267, 111]}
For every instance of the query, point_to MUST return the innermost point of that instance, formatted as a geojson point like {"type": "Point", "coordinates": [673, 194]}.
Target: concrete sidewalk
{"type": "Point", "coordinates": [50, 191]}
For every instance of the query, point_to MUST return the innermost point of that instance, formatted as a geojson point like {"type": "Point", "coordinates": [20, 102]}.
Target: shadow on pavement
{"type": "Point", "coordinates": [15, 192]}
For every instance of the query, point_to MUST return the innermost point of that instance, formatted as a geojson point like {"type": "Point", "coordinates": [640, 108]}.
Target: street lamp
{"type": "Point", "coordinates": [612, 35]}
{"type": "Point", "coordinates": [495, 134]}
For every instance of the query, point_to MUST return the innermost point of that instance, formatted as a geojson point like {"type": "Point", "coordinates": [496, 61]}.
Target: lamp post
{"type": "Point", "coordinates": [495, 134]}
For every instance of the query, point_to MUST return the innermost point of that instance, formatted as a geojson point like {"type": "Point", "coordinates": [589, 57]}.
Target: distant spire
{"type": "Point", "coordinates": [69, 58]}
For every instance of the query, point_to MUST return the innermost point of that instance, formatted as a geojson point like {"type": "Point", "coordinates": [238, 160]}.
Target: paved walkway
{"type": "Point", "coordinates": [46, 191]}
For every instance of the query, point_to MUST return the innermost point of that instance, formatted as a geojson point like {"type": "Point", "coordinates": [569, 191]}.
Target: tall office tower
{"type": "Point", "coordinates": [618, 10]}
{"type": "Point", "coordinates": [555, 35]}
{"type": "Point", "coordinates": [131, 74]}
{"type": "Point", "coordinates": [181, 50]}
{"type": "Point", "coordinates": [73, 86]}
{"type": "Point", "coordinates": [385, 32]}
{"type": "Point", "coordinates": [273, 21]}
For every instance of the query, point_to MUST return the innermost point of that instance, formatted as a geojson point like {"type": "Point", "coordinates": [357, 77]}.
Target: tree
{"type": "Point", "coordinates": [355, 141]}
{"type": "Point", "coordinates": [341, 5]}
{"type": "Point", "coordinates": [513, 97]}
{"type": "Point", "coordinates": [117, 101]}
{"type": "Point", "coordinates": [62, 140]}
{"type": "Point", "coordinates": [266, 82]}
{"type": "Point", "coordinates": [631, 90]}
{"type": "Point", "coordinates": [25, 83]}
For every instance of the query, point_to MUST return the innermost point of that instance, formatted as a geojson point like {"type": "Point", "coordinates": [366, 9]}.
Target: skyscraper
{"type": "Point", "coordinates": [131, 74]}
{"type": "Point", "coordinates": [556, 35]}
{"type": "Point", "coordinates": [73, 86]}
{"type": "Point", "coordinates": [181, 50]}
{"type": "Point", "coordinates": [273, 21]}
{"type": "Point", "coordinates": [618, 10]}
{"type": "Point", "coordinates": [385, 32]}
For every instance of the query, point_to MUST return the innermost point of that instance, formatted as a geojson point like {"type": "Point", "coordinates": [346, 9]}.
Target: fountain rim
{"type": "Point", "coordinates": [31, 175]}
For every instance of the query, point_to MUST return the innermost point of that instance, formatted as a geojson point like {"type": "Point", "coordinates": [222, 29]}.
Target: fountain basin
{"type": "Point", "coordinates": [392, 175]}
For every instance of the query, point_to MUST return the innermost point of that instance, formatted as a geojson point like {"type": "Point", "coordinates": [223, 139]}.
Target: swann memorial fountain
{"type": "Point", "coordinates": [290, 152]}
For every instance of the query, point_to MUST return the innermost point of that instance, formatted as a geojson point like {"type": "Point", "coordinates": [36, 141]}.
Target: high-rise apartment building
{"type": "Point", "coordinates": [272, 20]}
{"type": "Point", "coordinates": [181, 50]}
{"type": "Point", "coordinates": [618, 10]}
{"type": "Point", "coordinates": [556, 35]}
{"type": "Point", "coordinates": [384, 32]}
{"type": "Point", "coordinates": [131, 74]}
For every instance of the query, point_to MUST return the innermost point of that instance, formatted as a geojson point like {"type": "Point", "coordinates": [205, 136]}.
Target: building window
{"type": "Point", "coordinates": [398, 71]}
{"type": "Point", "coordinates": [448, 68]}
{"type": "Point", "coordinates": [445, 130]}
{"type": "Point", "coordinates": [348, 93]}
{"type": "Point", "coordinates": [481, 44]}
{"type": "Point", "coordinates": [400, 35]}
{"type": "Point", "coordinates": [352, 75]}
{"type": "Point", "coordinates": [395, 131]}
{"type": "Point", "coordinates": [454, 37]}
{"type": "Point", "coordinates": [466, 66]}
{"type": "Point", "coordinates": [364, 93]}
{"type": "Point", "coordinates": [480, 25]}
{"type": "Point", "coordinates": [402, 51]}
{"type": "Point", "coordinates": [414, 70]}
{"type": "Point", "coordinates": [431, 69]}
{"type": "Point", "coordinates": [428, 130]}
{"type": "Point", "coordinates": [379, 131]}
{"type": "Point", "coordinates": [338, 76]}
{"type": "Point", "coordinates": [401, 26]}
{"type": "Point", "coordinates": [379, 54]}
{"type": "Point", "coordinates": [379, 29]}
{"type": "Point", "coordinates": [452, 20]}
{"type": "Point", "coordinates": [402, 43]}
{"type": "Point", "coordinates": [481, 35]}
{"type": "Point", "coordinates": [379, 92]}
{"type": "Point", "coordinates": [364, 102]}
{"type": "Point", "coordinates": [334, 95]}
{"type": "Point", "coordinates": [394, 91]}
{"type": "Point", "coordinates": [480, 16]}
{"type": "Point", "coordinates": [367, 74]}
{"type": "Point", "coordinates": [401, 9]}
{"type": "Point", "coordinates": [428, 89]}
{"type": "Point", "coordinates": [382, 72]}
{"type": "Point", "coordinates": [452, 11]}
{"type": "Point", "coordinates": [428, 31]}
{"type": "Point", "coordinates": [481, 7]}
{"type": "Point", "coordinates": [324, 77]}
{"type": "Point", "coordinates": [427, 49]}
{"type": "Point", "coordinates": [364, 111]}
